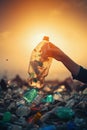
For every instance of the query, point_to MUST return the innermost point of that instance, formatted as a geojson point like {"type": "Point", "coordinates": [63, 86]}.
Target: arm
{"type": "Point", "coordinates": [76, 70]}
{"type": "Point", "coordinates": [70, 65]}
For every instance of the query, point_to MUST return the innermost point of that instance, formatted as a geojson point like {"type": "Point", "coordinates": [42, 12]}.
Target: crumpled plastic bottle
{"type": "Point", "coordinates": [39, 67]}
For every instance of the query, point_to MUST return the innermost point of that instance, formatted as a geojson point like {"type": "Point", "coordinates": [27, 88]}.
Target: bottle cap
{"type": "Point", "coordinates": [46, 38]}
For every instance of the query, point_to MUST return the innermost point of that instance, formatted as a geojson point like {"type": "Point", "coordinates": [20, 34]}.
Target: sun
{"type": "Point", "coordinates": [35, 36]}
{"type": "Point", "coordinates": [38, 37]}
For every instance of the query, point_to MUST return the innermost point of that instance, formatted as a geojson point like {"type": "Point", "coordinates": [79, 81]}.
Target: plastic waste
{"type": "Point", "coordinates": [64, 113]}
{"type": "Point", "coordinates": [45, 116]}
{"type": "Point", "coordinates": [30, 95]}
{"type": "Point", "coordinates": [48, 98]}
{"type": "Point", "coordinates": [22, 121]}
{"type": "Point", "coordinates": [71, 125]}
{"type": "Point", "coordinates": [20, 102]}
{"type": "Point", "coordinates": [49, 127]}
{"type": "Point", "coordinates": [22, 110]}
{"type": "Point", "coordinates": [12, 106]}
{"type": "Point", "coordinates": [6, 117]}
{"type": "Point", "coordinates": [80, 121]}
{"type": "Point", "coordinates": [60, 111]}
{"type": "Point", "coordinates": [38, 99]}
{"type": "Point", "coordinates": [39, 67]}
{"type": "Point", "coordinates": [37, 117]}
{"type": "Point", "coordinates": [15, 127]}
{"type": "Point", "coordinates": [57, 96]}
{"type": "Point", "coordinates": [70, 103]}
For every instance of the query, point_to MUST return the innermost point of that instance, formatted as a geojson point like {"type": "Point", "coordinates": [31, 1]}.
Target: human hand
{"type": "Point", "coordinates": [50, 50]}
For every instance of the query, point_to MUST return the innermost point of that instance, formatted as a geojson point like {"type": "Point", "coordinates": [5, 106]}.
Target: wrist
{"type": "Point", "coordinates": [61, 56]}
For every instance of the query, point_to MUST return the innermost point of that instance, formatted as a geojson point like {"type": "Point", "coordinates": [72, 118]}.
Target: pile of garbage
{"type": "Point", "coordinates": [26, 108]}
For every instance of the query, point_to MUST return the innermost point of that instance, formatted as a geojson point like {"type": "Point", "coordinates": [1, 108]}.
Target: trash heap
{"type": "Point", "coordinates": [33, 109]}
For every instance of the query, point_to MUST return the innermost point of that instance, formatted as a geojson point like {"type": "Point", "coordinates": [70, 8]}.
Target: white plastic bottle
{"type": "Point", "coordinates": [39, 68]}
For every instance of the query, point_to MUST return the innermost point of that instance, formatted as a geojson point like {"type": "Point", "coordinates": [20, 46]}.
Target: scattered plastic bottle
{"type": "Point", "coordinates": [20, 102]}
{"type": "Point", "coordinates": [22, 110]}
{"type": "Point", "coordinates": [46, 115]}
{"type": "Point", "coordinates": [30, 95]}
{"type": "Point", "coordinates": [49, 127]}
{"type": "Point", "coordinates": [14, 127]}
{"type": "Point", "coordinates": [70, 103]}
{"type": "Point", "coordinates": [7, 117]}
{"type": "Point", "coordinates": [62, 127]}
{"type": "Point", "coordinates": [38, 99]}
{"type": "Point", "coordinates": [57, 96]}
{"type": "Point", "coordinates": [80, 121]}
{"type": "Point", "coordinates": [71, 125]}
{"type": "Point", "coordinates": [37, 117]}
{"type": "Point", "coordinates": [64, 113]}
{"type": "Point", "coordinates": [39, 67]}
{"type": "Point", "coordinates": [49, 98]}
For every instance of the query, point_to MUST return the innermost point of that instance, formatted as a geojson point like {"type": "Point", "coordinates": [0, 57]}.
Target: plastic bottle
{"type": "Point", "coordinates": [7, 117]}
{"type": "Point", "coordinates": [48, 99]}
{"type": "Point", "coordinates": [20, 102]}
{"type": "Point", "coordinates": [64, 113]}
{"type": "Point", "coordinates": [39, 68]}
{"type": "Point", "coordinates": [57, 96]}
{"type": "Point", "coordinates": [15, 127]}
{"type": "Point", "coordinates": [71, 125]}
{"type": "Point", "coordinates": [49, 127]}
{"type": "Point", "coordinates": [37, 116]}
{"type": "Point", "coordinates": [38, 99]}
{"type": "Point", "coordinates": [30, 95]}
{"type": "Point", "coordinates": [47, 114]}
{"type": "Point", "coordinates": [22, 110]}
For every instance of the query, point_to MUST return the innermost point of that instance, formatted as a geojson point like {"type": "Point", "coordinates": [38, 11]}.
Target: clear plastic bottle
{"type": "Point", "coordinates": [38, 98]}
{"type": "Point", "coordinates": [39, 68]}
{"type": "Point", "coordinates": [22, 110]}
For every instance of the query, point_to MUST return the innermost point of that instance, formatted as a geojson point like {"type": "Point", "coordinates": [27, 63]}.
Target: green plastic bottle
{"type": "Point", "coordinates": [30, 95]}
{"type": "Point", "coordinates": [48, 99]}
{"type": "Point", "coordinates": [7, 117]}
{"type": "Point", "coordinates": [65, 113]}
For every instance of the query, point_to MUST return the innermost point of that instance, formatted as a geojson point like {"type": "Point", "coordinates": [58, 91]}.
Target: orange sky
{"type": "Point", "coordinates": [23, 23]}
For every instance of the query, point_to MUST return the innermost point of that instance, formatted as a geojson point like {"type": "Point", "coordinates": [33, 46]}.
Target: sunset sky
{"type": "Point", "coordinates": [23, 23]}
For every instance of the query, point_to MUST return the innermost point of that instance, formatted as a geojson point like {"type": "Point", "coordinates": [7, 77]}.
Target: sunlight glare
{"type": "Point", "coordinates": [36, 37]}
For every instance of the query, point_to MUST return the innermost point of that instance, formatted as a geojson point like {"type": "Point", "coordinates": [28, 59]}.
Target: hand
{"type": "Point", "coordinates": [50, 50]}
